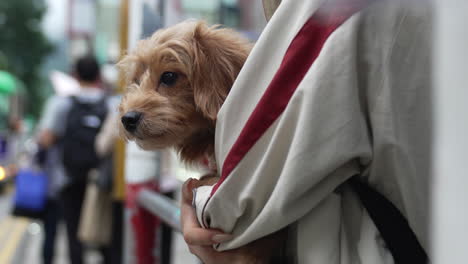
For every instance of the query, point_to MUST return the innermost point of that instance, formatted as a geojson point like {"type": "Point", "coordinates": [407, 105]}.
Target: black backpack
{"type": "Point", "coordinates": [84, 121]}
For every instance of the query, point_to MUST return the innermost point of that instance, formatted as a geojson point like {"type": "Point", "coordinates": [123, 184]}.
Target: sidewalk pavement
{"type": "Point", "coordinates": [29, 249]}
{"type": "Point", "coordinates": [21, 241]}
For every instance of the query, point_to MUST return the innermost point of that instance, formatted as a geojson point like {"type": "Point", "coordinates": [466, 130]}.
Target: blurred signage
{"type": "Point", "coordinates": [83, 17]}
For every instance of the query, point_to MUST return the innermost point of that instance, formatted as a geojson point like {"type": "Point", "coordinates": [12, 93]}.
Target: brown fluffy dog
{"type": "Point", "coordinates": [177, 81]}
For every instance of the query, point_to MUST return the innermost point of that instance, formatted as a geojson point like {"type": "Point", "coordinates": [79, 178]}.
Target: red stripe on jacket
{"type": "Point", "coordinates": [300, 55]}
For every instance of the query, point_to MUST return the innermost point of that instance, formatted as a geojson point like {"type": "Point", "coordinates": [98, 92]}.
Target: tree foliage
{"type": "Point", "coordinates": [24, 46]}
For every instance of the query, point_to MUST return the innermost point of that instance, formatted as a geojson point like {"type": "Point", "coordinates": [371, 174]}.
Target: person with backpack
{"type": "Point", "coordinates": [74, 125]}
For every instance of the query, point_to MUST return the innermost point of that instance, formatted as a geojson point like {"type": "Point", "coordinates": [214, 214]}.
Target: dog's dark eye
{"type": "Point", "coordinates": [169, 78]}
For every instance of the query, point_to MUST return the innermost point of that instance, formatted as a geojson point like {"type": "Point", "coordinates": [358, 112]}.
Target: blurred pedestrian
{"type": "Point", "coordinates": [50, 159]}
{"type": "Point", "coordinates": [74, 126]}
{"type": "Point", "coordinates": [333, 106]}
{"type": "Point", "coordinates": [104, 182]}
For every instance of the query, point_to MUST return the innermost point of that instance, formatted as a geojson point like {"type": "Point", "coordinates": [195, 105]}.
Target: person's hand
{"type": "Point", "coordinates": [46, 138]}
{"type": "Point", "coordinates": [200, 241]}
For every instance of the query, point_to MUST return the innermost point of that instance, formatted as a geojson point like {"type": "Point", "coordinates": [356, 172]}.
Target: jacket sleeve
{"type": "Point", "coordinates": [320, 140]}
{"type": "Point", "coordinates": [347, 116]}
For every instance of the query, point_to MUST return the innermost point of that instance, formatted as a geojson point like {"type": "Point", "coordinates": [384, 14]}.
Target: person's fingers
{"type": "Point", "coordinates": [196, 235]}
{"type": "Point", "coordinates": [193, 233]}
{"type": "Point", "coordinates": [187, 190]}
{"type": "Point", "coordinates": [204, 237]}
{"type": "Point", "coordinates": [188, 214]}
{"type": "Point", "coordinates": [188, 187]}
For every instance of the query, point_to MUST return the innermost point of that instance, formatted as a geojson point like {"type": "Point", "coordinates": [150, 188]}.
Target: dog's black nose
{"type": "Point", "coordinates": [130, 120]}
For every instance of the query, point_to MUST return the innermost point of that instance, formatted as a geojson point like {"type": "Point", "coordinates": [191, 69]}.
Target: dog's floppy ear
{"type": "Point", "coordinates": [219, 56]}
{"type": "Point", "coordinates": [132, 65]}
{"type": "Point", "coordinates": [130, 68]}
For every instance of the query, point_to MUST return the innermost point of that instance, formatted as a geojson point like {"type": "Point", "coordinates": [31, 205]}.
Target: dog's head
{"type": "Point", "coordinates": [177, 81]}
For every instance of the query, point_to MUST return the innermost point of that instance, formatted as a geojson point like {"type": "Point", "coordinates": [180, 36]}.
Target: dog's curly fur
{"type": "Point", "coordinates": [207, 60]}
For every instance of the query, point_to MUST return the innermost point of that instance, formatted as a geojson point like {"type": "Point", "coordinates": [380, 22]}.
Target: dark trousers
{"type": "Point", "coordinates": [116, 246]}
{"type": "Point", "coordinates": [71, 202]}
{"type": "Point", "coordinates": [50, 221]}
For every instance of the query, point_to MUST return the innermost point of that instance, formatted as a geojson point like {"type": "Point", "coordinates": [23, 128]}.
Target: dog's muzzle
{"type": "Point", "coordinates": [131, 120]}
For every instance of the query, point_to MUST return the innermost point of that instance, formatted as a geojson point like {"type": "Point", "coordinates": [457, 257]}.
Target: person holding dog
{"type": "Point", "coordinates": [333, 106]}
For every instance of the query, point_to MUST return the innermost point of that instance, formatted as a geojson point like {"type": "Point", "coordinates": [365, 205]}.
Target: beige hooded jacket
{"type": "Point", "coordinates": [329, 91]}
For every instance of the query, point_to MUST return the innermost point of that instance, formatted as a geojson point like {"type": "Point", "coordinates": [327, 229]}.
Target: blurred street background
{"type": "Point", "coordinates": [53, 50]}
{"type": "Point", "coordinates": [40, 41]}
{"type": "Point", "coordinates": [21, 240]}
